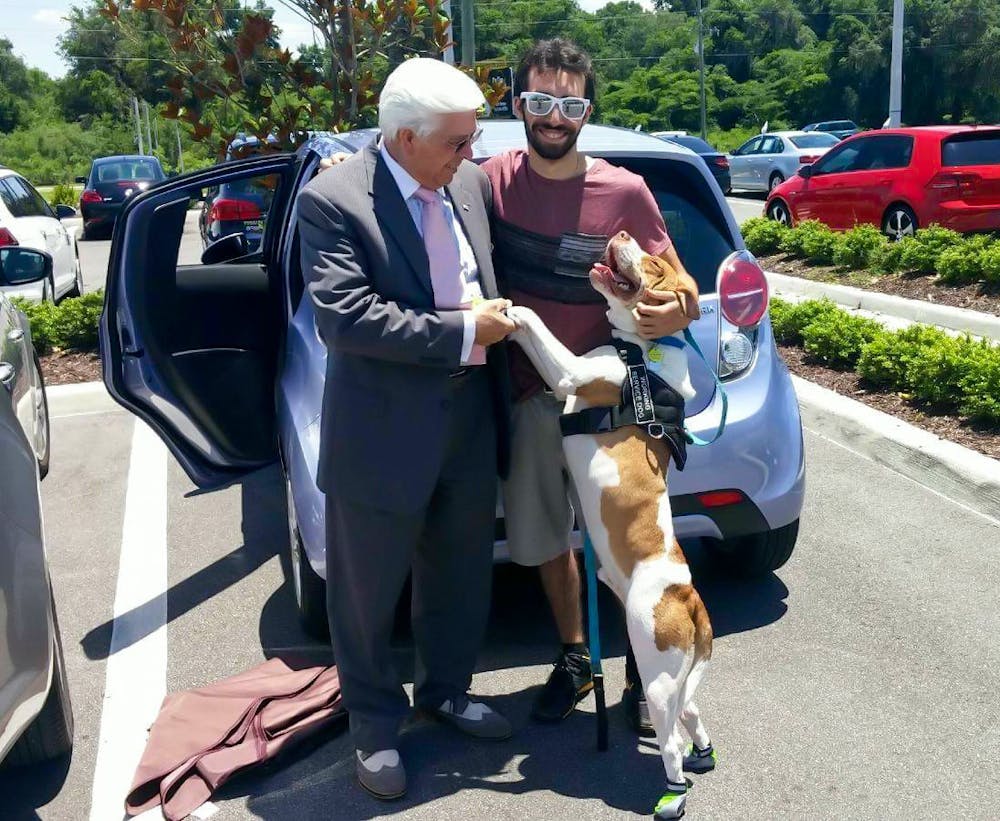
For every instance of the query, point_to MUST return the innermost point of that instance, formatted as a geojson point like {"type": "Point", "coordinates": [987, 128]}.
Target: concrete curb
{"type": "Point", "coordinates": [79, 397]}
{"type": "Point", "coordinates": [945, 467]}
{"type": "Point", "coordinates": [913, 310]}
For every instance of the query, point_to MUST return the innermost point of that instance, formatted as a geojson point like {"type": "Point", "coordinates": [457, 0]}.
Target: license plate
{"type": "Point", "coordinates": [254, 226]}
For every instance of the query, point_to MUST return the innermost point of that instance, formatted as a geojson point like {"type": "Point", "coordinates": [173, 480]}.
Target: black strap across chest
{"type": "Point", "coordinates": [646, 401]}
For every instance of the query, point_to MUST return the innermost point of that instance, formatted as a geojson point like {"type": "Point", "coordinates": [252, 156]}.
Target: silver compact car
{"type": "Point", "coordinates": [240, 382]}
{"type": "Point", "coordinates": [764, 162]}
{"type": "Point", "coordinates": [36, 718]}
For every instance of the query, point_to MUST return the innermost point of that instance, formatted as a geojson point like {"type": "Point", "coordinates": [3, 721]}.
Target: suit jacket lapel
{"type": "Point", "coordinates": [395, 218]}
{"type": "Point", "coordinates": [477, 233]}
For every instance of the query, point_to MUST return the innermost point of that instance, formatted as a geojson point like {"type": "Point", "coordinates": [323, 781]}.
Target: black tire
{"type": "Point", "coordinates": [87, 234]}
{"type": "Point", "coordinates": [757, 554]}
{"type": "Point", "coordinates": [77, 288]}
{"type": "Point", "coordinates": [774, 182]}
{"type": "Point", "coordinates": [43, 456]}
{"type": "Point", "coordinates": [778, 211]}
{"type": "Point", "coordinates": [309, 588]}
{"type": "Point", "coordinates": [50, 735]}
{"type": "Point", "coordinates": [899, 221]}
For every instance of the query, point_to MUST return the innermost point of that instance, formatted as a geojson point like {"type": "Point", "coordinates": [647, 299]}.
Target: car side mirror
{"type": "Point", "coordinates": [225, 249]}
{"type": "Point", "coordinates": [81, 180]}
{"type": "Point", "coordinates": [806, 171]}
{"type": "Point", "coordinates": [20, 266]}
{"type": "Point", "coordinates": [64, 212]}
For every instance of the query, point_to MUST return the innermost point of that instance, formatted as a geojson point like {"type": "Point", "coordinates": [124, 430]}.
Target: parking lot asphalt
{"type": "Point", "coordinates": [858, 680]}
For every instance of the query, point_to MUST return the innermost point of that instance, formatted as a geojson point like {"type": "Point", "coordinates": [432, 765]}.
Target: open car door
{"type": "Point", "coordinates": [192, 348]}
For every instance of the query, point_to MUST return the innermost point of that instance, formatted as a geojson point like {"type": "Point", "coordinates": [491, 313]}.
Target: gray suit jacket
{"type": "Point", "coordinates": [390, 350]}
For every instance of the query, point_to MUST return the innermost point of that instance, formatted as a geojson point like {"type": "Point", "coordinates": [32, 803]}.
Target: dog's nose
{"type": "Point", "coordinates": [623, 235]}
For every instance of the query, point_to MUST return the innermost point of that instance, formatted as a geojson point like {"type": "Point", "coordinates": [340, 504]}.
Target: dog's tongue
{"type": "Point", "coordinates": [602, 268]}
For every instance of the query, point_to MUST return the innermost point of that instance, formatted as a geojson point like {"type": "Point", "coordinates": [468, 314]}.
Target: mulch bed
{"type": "Point", "coordinates": [977, 297]}
{"type": "Point", "coordinates": [66, 367]}
{"type": "Point", "coordinates": [848, 383]}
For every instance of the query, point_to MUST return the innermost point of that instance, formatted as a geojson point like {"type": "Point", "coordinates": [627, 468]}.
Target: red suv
{"type": "Point", "coordinates": [900, 179]}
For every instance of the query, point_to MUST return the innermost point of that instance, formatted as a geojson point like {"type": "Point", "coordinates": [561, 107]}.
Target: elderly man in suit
{"type": "Point", "coordinates": [415, 428]}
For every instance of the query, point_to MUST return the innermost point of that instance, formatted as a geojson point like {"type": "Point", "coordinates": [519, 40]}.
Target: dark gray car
{"type": "Point", "coordinates": [36, 718]}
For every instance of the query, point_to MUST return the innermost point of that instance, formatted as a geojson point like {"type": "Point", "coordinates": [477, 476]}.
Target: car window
{"type": "Point", "coordinates": [971, 149]}
{"type": "Point", "coordinates": [771, 145]}
{"type": "Point", "coordinates": [9, 199]}
{"type": "Point", "coordinates": [893, 151]}
{"type": "Point", "coordinates": [238, 207]}
{"type": "Point", "coordinates": [27, 201]}
{"type": "Point", "coordinates": [840, 159]}
{"type": "Point", "coordinates": [843, 125]}
{"type": "Point", "coordinates": [136, 169]}
{"type": "Point", "coordinates": [749, 147]}
{"type": "Point", "coordinates": [814, 141]}
{"type": "Point", "coordinates": [691, 212]}
{"type": "Point", "coordinates": [695, 144]}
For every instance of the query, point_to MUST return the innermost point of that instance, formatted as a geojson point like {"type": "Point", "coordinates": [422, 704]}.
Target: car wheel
{"type": "Point", "coordinates": [41, 445]}
{"type": "Point", "coordinates": [310, 589]}
{"type": "Point", "coordinates": [778, 212]}
{"type": "Point", "coordinates": [774, 182]}
{"type": "Point", "coordinates": [77, 288]}
{"type": "Point", "coordinates": [899, 222]}
{"type": "Point", "coordinates": [759, 553]}
{"type": "Point", "coordinates": [87, 233]}
{"type": "Point", "coordinates": [50, 735]}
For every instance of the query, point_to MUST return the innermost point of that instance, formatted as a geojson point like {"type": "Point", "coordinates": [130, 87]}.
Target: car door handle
{"type": "Point", "coordinates": [16, 335]}
{"type": "Point", "coordinates": [7, 374]}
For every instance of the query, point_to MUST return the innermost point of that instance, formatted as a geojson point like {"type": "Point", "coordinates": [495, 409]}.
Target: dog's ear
{"type": "Point", "coordinates": [688, 301]}
{"type": "Point", "coordinates": [658, 274]}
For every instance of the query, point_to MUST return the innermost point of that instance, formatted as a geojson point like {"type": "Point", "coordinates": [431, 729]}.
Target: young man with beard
{"type": "Point", "coordinates": [554, 211]}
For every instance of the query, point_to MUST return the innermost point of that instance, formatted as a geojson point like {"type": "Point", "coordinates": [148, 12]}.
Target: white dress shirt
{"type": "Point", "coordinates": [469, 269]}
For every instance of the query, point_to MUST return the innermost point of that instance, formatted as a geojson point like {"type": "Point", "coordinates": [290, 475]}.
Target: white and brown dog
{"type": "Point", "coordinates": [621, 481]}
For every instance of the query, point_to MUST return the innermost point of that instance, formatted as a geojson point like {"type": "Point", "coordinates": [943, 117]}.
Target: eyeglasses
{"type": "Point", "coordinates": [458, 145]}
{"type": "Point", "coordinates": [540, 105]}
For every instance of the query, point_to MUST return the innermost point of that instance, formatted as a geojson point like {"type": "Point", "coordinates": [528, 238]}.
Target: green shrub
{"type": "Point", "coordinates": [959, 265]}
{"type": "Point", "coordinates": [989, 263]}
{"type": "Point", "coordinates": [855, 248]}
{"type": "Point", "coordinates": [70, 325]}
{"type": "Point", "coordinates": [763, 236]}
{"type": "Point", "coordinates": [981, 390]}
{"type": "Point", "coordinates": [937, 372]}
{"type": "Point", "coordinates": [63, 195]}
{"type": "Point", "coordinates": [921, 256]}
{"type": "Point", "coordinates": [838, 338]}
{"type": "Point", "coordinates": [819, 244]}
{"type": "Point", "coordinates": [791, 241]}
{"type": "Point", "coordinates": [888, 360]}
{"type": "Point", "coordinates": [790, 320]}
{"type": "Point", "coordinates": [888, 258]}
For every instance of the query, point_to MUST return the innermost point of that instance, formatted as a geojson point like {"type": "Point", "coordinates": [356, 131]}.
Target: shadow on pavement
{"type": "Point", "coordinates": [26, 789]}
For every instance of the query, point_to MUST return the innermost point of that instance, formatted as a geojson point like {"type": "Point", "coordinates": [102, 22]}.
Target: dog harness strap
{"type": "Point", "coordinates": [556, 268]}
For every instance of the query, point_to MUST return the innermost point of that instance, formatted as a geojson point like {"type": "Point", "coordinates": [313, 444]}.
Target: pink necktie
{"type": "Point", "coordinates": [445, 261]}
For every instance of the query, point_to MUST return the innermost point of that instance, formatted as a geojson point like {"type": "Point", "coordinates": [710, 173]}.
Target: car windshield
{"type": "Point", "coordinates": [695, 144]}
{"type": "Point", "coordinates": [814, 141]}
{"type": "Point", "coordinates": [972, 149]}
{"type": "Point", "coordinates": [128, 170]}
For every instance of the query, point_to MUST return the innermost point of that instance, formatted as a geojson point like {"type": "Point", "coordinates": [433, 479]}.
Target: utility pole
{"type": "Point", "coordinates": [149, 135]}
{"type": "Point", "coordinates": [449, 53]}
{"type": "Point", "coordinates": [701, 69]}
{"type": "Point", "coordinates": [180, 154]}
{"type": "Point", "coordinates": [138, 124]}
{"type": "Point", "coordinates": [896, 67]}
{"type": "Point", "coordinates": [468, 34]}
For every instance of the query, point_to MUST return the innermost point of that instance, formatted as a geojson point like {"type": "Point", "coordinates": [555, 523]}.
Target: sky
{"type": "Point", "coordinates": [34, 31]}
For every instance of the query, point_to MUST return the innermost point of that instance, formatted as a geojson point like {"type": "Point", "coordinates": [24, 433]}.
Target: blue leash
{"type": "Point", "coordinates": [590, 561]}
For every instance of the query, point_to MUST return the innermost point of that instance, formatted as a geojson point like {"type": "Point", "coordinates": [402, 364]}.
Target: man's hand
{"type": "Point", "coordinates": [662, 314]}
{"type": "Point", "coordinates": [492, 324]}
{"type": "Point", "coordinates": [331, 161]}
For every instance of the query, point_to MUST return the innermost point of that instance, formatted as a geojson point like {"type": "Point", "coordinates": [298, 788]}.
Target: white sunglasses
{"type": "Point", "coordinates": [540, 105]}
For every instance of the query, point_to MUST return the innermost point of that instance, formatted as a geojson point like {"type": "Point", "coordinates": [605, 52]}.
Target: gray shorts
{"type": "Point", "coordinates": [538, 496]}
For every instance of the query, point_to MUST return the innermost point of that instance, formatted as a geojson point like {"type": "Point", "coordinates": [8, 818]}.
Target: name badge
{"type": "Point", "coordinates": [642, 399]}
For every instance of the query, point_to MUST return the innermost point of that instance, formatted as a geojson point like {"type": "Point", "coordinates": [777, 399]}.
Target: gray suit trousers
{"type": "Point", "coordinates": [449, 547]}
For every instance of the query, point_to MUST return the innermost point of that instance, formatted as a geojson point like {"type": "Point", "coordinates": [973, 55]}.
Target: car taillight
{"type": "Point", "coordinates": [722, 162]}
{"type": "Point", "coordinates": [232, 210]}
{"type": "Point", "coordinates": [720, 498]}
{"type": "Point", "coordinates": [7, 238]}
{"type": "Point", "coordinates": [952, 182]}
{"type": "Point", "coordinates": [90, 196]}
{"type": "Point", "coordinates": [808, 158]}
{"type": "Point", "coordinates": [743, 292]}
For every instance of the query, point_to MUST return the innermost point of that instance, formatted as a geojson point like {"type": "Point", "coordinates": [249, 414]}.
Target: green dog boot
{"type": "Point", "coordinates": [700, 761]}
{"type": "Point", "coordinates": [673, 802]}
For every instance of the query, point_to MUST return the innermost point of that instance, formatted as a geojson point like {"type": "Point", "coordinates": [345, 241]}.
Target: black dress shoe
{"type": "Point", "coordinates": [636, 710]}
{"type": "Point", "coordinates": [567, 685]}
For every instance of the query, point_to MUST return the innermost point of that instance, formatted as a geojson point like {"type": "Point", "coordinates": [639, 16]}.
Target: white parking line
{"type": "Point", "coordinates": [137, 664]}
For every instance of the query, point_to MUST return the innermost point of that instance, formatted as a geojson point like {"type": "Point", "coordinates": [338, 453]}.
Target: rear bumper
{"type": "Point", "coordinates": [100, 213]}
{"type": "Point", "coordinates": [961, 216]}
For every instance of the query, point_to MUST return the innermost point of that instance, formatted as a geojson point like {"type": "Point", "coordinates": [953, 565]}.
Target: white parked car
{"type": "Point", "coordinates": [763, 162]}
{"type": "Point", "coordinates": [28, 221]}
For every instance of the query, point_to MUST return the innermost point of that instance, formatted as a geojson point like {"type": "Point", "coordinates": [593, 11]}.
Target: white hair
{"type": "Point", "coordinates": [420, 90]}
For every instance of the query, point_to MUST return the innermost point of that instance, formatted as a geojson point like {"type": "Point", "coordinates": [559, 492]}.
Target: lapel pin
{"type": "Point", "coordinates": [465, 206]}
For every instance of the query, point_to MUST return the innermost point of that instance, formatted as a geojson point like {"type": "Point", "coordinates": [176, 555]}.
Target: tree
{"type": "Point", "coordinates": [14, 88]}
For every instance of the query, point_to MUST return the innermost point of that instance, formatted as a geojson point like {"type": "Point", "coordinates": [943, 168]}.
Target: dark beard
{"type": "Point", "coordinates": [547, 151]}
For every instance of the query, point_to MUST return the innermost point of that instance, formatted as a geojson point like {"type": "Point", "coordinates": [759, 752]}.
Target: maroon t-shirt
{"type": "Point", "coordinates": [605, 200]}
